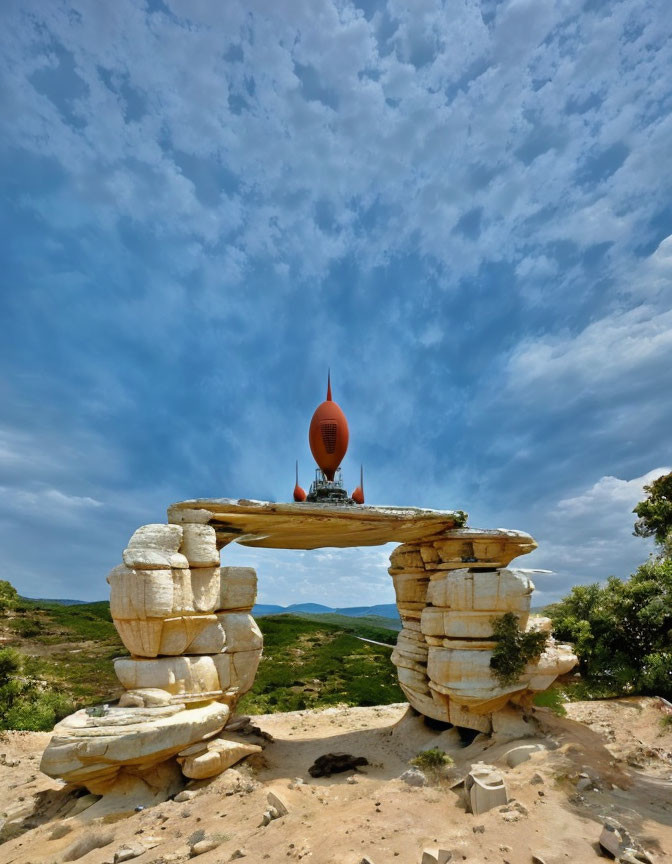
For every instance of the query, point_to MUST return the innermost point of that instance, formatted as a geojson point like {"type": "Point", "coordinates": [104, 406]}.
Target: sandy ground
{"type": "Point", "coordinates": [620, 745]}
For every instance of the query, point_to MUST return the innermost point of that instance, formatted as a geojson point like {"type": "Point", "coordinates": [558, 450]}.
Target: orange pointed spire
{"type": "Point", "coordinates": [329, 399]}
{"type": "Point", "coordinates": [299, 493]}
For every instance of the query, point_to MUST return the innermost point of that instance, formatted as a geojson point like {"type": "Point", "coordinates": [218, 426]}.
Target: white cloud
{"type": "Point", "coordinates": [588, 537]}
{"type": "Point", "coordinates": [439, 118]}
{"type": "Point", "coordinates": [333, 577]}
{"type": "Point", "coordinates": [628, 342]}
{"type": "Point", "coordinates": [58, 505]}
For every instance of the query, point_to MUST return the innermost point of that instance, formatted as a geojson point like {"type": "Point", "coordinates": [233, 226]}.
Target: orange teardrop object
{"type": "Point", "coordinates": [299, 493]}
{"type": "Point", "coordinates": [328, 436]}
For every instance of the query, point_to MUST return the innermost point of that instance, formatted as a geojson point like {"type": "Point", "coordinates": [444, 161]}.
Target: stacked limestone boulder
{"type": "Point", "coordinates": [194, 651]}
{"type": "Point", "coordinates": [449, 591]}
{"type": "Point", "coordinates": [185, 619]}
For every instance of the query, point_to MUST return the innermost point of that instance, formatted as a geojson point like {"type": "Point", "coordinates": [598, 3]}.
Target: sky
{"type": "Point", "coordinates": [462, 208]}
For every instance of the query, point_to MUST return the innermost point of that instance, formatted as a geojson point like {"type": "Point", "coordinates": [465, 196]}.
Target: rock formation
{"type": "Point", "coordinates": [449, 591]}
{"type": "Point", "coordinates": [194, 650]}
{"type": "Point", "coordinates": [194, 646]}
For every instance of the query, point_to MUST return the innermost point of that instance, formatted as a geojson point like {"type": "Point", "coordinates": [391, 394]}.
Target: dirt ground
{"type": "Point", "coordinates": [620, 747]}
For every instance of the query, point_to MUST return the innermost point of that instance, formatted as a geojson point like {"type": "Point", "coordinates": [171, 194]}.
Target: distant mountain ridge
{"type": "Point", "coordinates": [60, 602]}
{"type": "Point", "coordinates": [384, 610]}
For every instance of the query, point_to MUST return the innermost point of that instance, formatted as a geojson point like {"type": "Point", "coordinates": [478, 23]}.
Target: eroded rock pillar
{"type": "Point", "coordinates": [449, 592]}
{"type": "Point", "coordinates": [194, 651]}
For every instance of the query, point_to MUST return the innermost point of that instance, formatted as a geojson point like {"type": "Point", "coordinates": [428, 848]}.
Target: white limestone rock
{"type": "Point", "coordinates": [401, 659]}
{"type": "Point", "coordinates": [412, 680]}
{"type": "Point", "coordinates": [244, 668]}
{"type": "Point", "coordinates": [211, 639]}
{"type": "Point", "coordinates": [410, 587]}
{"type": "Point", "coordinates": [539, 624]}
{"type": "Point", "coordinates": [215, 756]}
{"type": "Point", "coordinates": [140, 593]}
{"type": "Point", "coordinates": [503, 590]}
{"type": "Point", "coordinates": [205, 587]}
{"type": "Point", "coordinates": [90, 751]}
{"type": "Point", "coordinates": [407, 557]}
{"type": "Point", "coordinates": [153, 559]}
{"type": "Point", "coordinates": [149, 697]}
{"type": "Point", "coordinates": [142, 636]}
{"type": "Point", "coordinates": [199, 545]}
{"type": "Point", "coordinates": [429, 555]}
{"type": "Point", "coordinates": [236, 670]}
{"type": "Point", "coordinates": [485, 788]}
{"type": "Point", "coordinates": [155, 547]}
{"type": "Point", "coordinates": [462, 716]}
{"type": "Point", "coordinates": [179, 676]}
{"type": "Point", "coordinates": [557, 659]}
{"type": "Point", "coordinates": [425, 704]}
{"type": "Point", "coordinates": [463, 644]}
{"type": "Point", "coordinates": [238, 588]}
{"type": "Point", "coordinates": [191, 677]}
{"type": "Point", "coordinates": [466, 675]}
{"type": "Point", "coordinates": [522, 753]}
{"type": "Point", "coordinates": [177, 516]}
{"type": "Point", "coordinates": [416, 651]}
{"type": "Point", "coordinates": [456, 624]}
{"type": "Point", "coordinates": [179, 634]}
{"type": "Point", "coordinates": [242, 631]}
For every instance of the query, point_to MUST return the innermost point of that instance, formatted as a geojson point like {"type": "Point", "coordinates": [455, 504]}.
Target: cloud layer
{"type": "Point", "coordinates": [463, 209]}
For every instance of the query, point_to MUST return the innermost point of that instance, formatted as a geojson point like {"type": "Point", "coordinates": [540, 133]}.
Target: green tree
{"type": "Point", "coordinates": [655, 511]}
{"type": "Point", "coordinates": [622, 631]}
{"type": "Point", "coordinates": [8, 596]}
{"type": "Point", "coordinates": [23, 702]}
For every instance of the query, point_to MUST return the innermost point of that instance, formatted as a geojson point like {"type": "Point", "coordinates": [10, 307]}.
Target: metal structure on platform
{"type": "Point", "coordinates": [327, 491]}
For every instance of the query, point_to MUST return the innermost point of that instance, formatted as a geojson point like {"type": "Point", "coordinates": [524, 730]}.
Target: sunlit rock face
{"type": "Point", "coordinates": [449, 592]}
{"type": "Point", "coordinates": [194, 651]}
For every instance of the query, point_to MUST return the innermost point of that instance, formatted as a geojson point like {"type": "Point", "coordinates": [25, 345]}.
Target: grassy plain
{"type": "Point", "coordinates": [308, 661]}
{"type": "Point", "coordinates": [307, 664]}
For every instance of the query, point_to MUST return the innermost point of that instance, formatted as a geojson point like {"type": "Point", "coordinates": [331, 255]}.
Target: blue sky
{"type": "Point", "coordinates": [463, 208]}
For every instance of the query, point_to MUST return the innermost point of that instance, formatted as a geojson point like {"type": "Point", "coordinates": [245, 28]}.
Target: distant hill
{"type": "Point", "coordinates": [382, 610]}
{"type": "Point", "coordinates": [261, 609]}
{"type": "Point", "coordinates": [57, 602]}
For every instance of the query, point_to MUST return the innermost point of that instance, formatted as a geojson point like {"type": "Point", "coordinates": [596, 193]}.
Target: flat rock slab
{"type": "Point", "coordinates": [312, 526]}
{"type": "Point", "coordinates": [90, 750]}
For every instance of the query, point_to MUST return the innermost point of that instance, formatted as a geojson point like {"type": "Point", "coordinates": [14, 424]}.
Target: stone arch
{"type": "Point", "coordinates": [195, 647]}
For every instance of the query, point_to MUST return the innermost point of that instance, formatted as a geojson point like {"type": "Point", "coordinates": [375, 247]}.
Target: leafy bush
{"type": "Point", "coordinates": [8, 596]}
{"type": "Point", "coordinates": [622, 631]}
{"type": "Point", "coordinates": [515, 648]}
{"type": "Point", "coordinates": [24, 704]}
{"type": "Point", "coordinates": [432, 760]}
{"type": "Point", "coordinates": [26, 627]}
{"type": "Point", "coordinates": [655, 512]}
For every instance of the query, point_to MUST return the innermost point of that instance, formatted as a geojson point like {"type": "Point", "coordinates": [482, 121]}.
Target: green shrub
{"type": "Point", "coordinates": [26, 627]}
{"type": "Point", "coordinates": [515, 648]}
{"type": "Point", "coordinates": [8, 596]}
{"type": "Point", "coordinates": [24, 704]}
{"type": "Point", "coordinates": [622, 631]}
{"type": "Point", "coordinates": [432, 760]}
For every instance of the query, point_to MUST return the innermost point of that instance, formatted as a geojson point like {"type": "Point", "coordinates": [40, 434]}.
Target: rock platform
{"type": "Point", "coordinates": [312, 526]}
{"type": "Point", "coordinates": [194, 647]}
